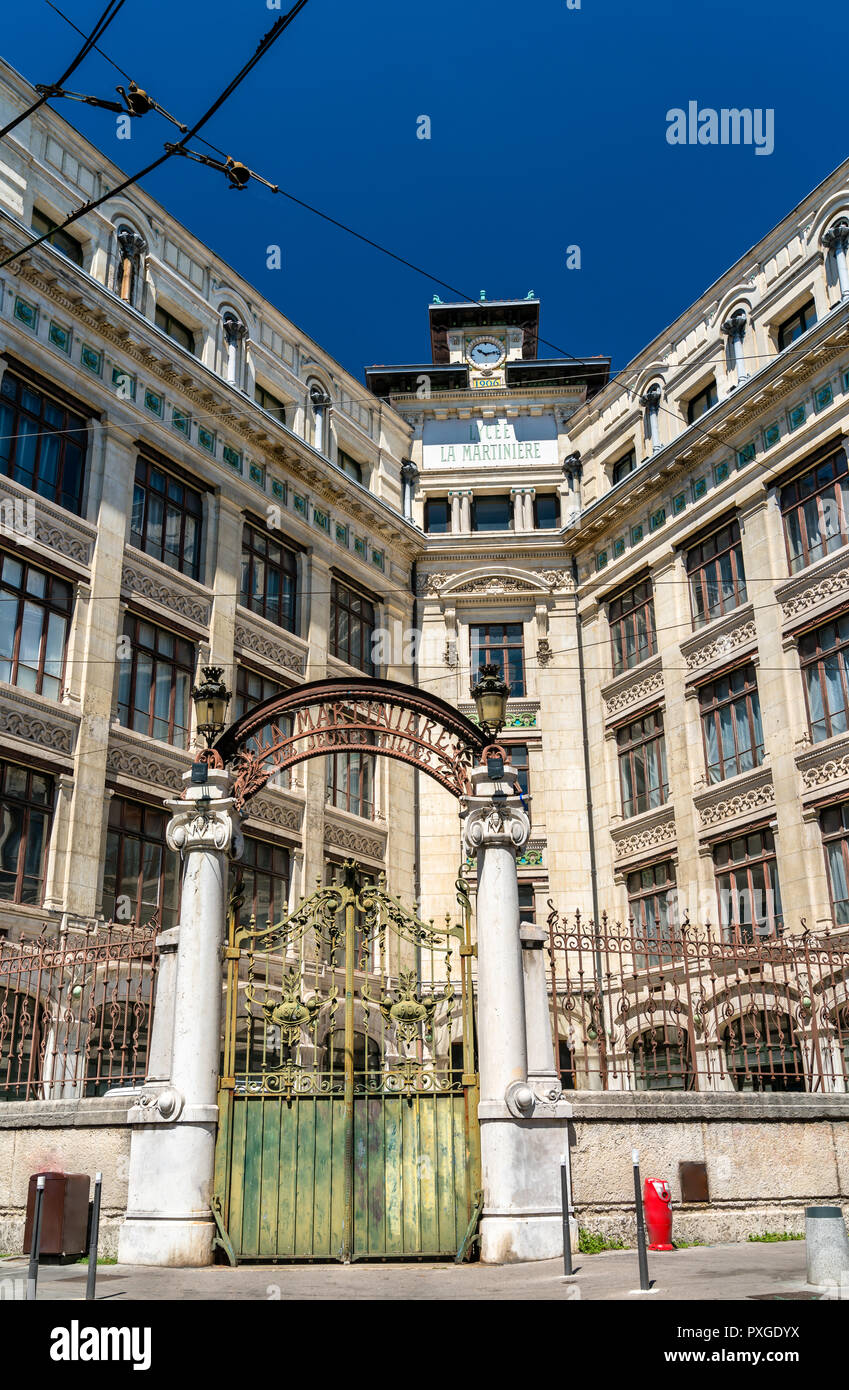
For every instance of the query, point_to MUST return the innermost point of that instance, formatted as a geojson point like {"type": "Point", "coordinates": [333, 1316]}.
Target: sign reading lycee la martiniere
{"type": "Point", "coordinates": [453, 443]}
{"type": "Point", "coordinates": [383, 717]}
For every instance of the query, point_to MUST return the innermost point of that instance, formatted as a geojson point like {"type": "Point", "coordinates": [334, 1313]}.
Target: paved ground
{"type": "Point", "coordinates": [707, 1273]}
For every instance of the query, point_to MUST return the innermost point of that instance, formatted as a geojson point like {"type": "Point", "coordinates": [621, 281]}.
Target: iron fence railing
{"type": "Point", "coordinates": [698, 1008]}
{"type": "Point", "coordinates": [75, 1011]}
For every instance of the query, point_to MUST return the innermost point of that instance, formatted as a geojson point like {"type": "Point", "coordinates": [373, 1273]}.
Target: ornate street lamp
{"type": "Point", "coordinates": [211, 699]}
{"type": "Point", "coordinates": [490, 696]}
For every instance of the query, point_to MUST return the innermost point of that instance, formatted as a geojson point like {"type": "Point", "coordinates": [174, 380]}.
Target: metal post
{"type": "Point", "coordinates": [641, 1234]}
{"type": "Point", "coordinates": [566, 1199]}
{"type": "Point", "coordinates": [35, 1244]}
{"type": "Point", "coordinates": [350, 942]}
{"type": "Point", "coordinates": [92, 1240]}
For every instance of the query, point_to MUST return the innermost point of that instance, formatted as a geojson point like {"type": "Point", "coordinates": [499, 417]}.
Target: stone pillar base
{"type": "Point", "coordinates": [522, 1215]}
{"type": "Point", "coordinates": [523, 1236]}
{"type": "Point", "coordinates": [176, 1242]}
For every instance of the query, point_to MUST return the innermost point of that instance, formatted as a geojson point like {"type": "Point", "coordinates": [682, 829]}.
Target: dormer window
{"type": "Point", "coordinates": [43, 225]}
{"type": "Point", "coordinates": [797, 324]}
{"type": "Point", "coordinates": [270, 404]}
{"type": "Point", "coordinates": [623, 466]}
{"type": "Point", "coordinates": [173, 328]}
{"type": "Point", "coordinates": [699, 405]}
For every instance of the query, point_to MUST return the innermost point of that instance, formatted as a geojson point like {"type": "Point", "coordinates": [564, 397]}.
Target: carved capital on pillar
{"type": "Point", "coordinates": [210, 825]}
{"type": "Point", "coordinates": [652, 397]}
{"type": "Point", "coordinates": [235, 331]}
{"type": "Point", "coordinates": [409, 472]}
{"type": "Point", "coordinates": [837, 234]}
{"type": "Point", "coordinates": [495, 821]}
{"type": "Point", "coordinates": [735, 325]}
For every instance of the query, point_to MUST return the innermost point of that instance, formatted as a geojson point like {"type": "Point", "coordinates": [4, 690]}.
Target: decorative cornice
{"type": "Point", "coordinates": [633, 688]}
{"type": "Point", "coordinates": [494, 585]}
{"type": "Point", "coordinates": [250, 637]}
{"type": "Point", "coordinates": [828, 583]}
{"type": "Point", "coordinates": [653, 830]}
{"type": "Point", "coordinates": [174, 594]}
{"type": "Point", "coordinates": [274, 811]}
{"type": "Point", "coordinates": [342, 837]}
{"type": "Point", "coordinates": [48, 526]}
{"type": "Point", "coordinates": [824, 763]}
{"type": "Point", "coordinates": [720, 640]}
{"type": "Point", "coordinates": [751, 792]}
{"type": "Point", "coordinates": [127, 757]}
{"type": "Point", "coordinates": [27, 718]}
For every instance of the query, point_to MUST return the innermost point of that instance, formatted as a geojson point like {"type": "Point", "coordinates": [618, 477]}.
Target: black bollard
{"type": "Point", "coordinates": [566, 1200]}
{"type": "Point", "coordinates": [641, 1232]}
{"type": "Point", "coordinates": [35, 1244]}
{"type": "Point", "coordinates": [92, 1241]}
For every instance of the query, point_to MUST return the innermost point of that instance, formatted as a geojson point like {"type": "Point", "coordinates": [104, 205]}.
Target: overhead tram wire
{"type": "Point", "coordinates": [170, 150]}
{"type": "Point", "coordinates": [99, 29]}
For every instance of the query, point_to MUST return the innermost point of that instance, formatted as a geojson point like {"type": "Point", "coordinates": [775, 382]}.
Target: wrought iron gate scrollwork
{"type": "Point", "coordinates": [348, 1093]}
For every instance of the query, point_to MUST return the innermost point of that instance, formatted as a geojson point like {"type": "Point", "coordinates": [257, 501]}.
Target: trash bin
{"type": "Point", "coordinates": [64, 1214]}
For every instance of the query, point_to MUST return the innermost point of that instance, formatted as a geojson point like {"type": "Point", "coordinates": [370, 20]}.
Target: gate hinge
{"type": "Point", "coordinates": [230, 953]}
{"type": "Point", "coordinates": [469, 1079]}
{"type": "Point", "coordinates": [227, 1083]}
{"type": "Point", "coordinates": [468, 950]}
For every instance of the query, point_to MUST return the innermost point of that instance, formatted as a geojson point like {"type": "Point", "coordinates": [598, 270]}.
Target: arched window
{"type": "Point", "coordinates": [130, 264]}
{"type": "Point", "coordinates": [761, 1053]}
{"type": "Point", "coordinates": [116, 1049]}
{"type": "Point", "coordinates": [22, 1038]}
{"type": "Point", "coordinates": [661, 1059]}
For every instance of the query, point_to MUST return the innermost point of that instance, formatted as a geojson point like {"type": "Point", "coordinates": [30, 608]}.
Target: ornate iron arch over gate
{"type": "Point", "coordinates": [348, 1096]}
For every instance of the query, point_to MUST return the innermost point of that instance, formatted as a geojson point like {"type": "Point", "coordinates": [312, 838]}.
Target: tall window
{"type": "Point", "coordinates": [652, 901]}
{"type": "Point", "coordinates": [492, 513]}
{"type": "Point", "coordinates": [35, 611]}
{"type": "Point", "coordinates": [349, 465]}
{"type": "Point", "coordinates": [747, 884]}
{"type": "Point", "coordinates": [518, 755]}
{"type": "Point", "coordinates": [632, 634]}
{"type": "Point", "coordinates": [43, 225]}
{"type": "Point", "coordinates": [350, 782]}
{"type": "Point", "coordinates": [642, 764]}
{"type": "Point", "coordinates": [141, 877]}
{"type": "Point", "coordinates": [167, 519]}
{"type": "Point", "coordinates": [527, 903]}
{"type": "Point", "coordinates": [42, 443]}
{"type": "Point", "coordinates": [761, 1053]}
{"type": "Point", "coordinates": [437, 516]}
{"type": "Point", "coordinates": [797, 324]}
{"type": "Point", "coordinates": [824, 655]}
{"type": "Point", "coordinates": [503, 645]}
{"type": "Point", "coordinates": [717, 577]}
{"type": "Point", "coordinates": [731, 724]}
{"type": "Point", "coordinates": [269, 578]}
{"type": "Point", "coordinates": [352, 624]}
{"type": "Point", "coordinates": [251, 690]}
{"type": "Point", "coordinates": [270, 403]}
{"type": "Point", "coordinates": [26, 808]}
{"type": "Point", "coordinates": [834, 824]}
{"type": "Point", "coordinates": [265, 882]}
{"type": "Point", "coordinates": [699, 405]}
{"type": "Point", "coordinates": [623, 466]}
{"type": "Point", "coordinates": [172, 326]}
{"type": "Point", "coordinates": [661, 1059]}
{"type": "Point", "coordinates": [816, 511]}
{"type": "Point", "coordinates": [155, 681]}
{"type": "Point", "coordinates": [546, 511]}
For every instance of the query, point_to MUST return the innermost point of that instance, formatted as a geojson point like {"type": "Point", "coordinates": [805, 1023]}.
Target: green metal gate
{"type": "Point", "coordinates": [348, 1096]}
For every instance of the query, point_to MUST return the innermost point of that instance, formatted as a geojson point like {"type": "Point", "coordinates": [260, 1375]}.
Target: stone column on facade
{"type": "Point", "coordinates": [226, 583]}
{"type": "Point", "coordinates": [837, 239]}
{"type": "Point", "coordinates": [466, 510]}
{"type": "Point", "coordinates": [651, 401]}
{"type": "Point", "coordinates": [455, 511]}
{"type": "Point", "coordinates": [518, 510]}
{"type": "Point", "coordinates": [315, 786]}
{"type": "Point", "coordinates": [528, 508]}
{"type": "Point", "coordinates": [235, 333]}
{"type": "Point", "coordinates": [734, 328]}
{"type": "Point", "coordinates": [172, 1155]}
{"type": "Point", "coordinates": [521, 1119]}
{"type": "Point", "coordinates": [409, 478]}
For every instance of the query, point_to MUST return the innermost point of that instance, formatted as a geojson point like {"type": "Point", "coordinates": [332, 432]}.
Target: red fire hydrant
{"type": "Point", "coordinates": [657, 1203]}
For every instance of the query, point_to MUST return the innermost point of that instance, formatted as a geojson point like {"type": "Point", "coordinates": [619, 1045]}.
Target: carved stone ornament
{"type": "Point", "coordinates": [189, 607]}
{"type": "Point", "coordinates": [544, 653]}
{"type": "Point", "coordinates": [651, 837]}
{"type": "Point", "coordinates": [343, 838]}
{"type": "Point", "coordinates": [831, 586]}
{"type": "Point", "coordinates": [496, 823]}
{"type": "Point", "coordinates": [740, 804]}
{"type": "Point", "coordinates": [209, 825]}
{"type": "Point", "coordinates": [249, 639]}
{"type": "Point", "coordinates": [722, 645]}
{"type": "Point", "coordinates": [163, 1103]}
{"type": "Point", "coordinates": [631, 693]}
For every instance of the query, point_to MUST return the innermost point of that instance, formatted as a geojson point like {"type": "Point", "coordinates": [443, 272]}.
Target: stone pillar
{"type": "Point", "coordinates": [734, 329]}
{"type": "Point", "coordinates": [528, 506]}
{"type": "Point", "coordinates": [651, 400]}
{"type": "Point", "coordinates": [518, 510]}
{"type": "Point", "coordinates": [455, 511]}
{"type": "Point", "coordinates": [466, 510]}
{"type": "Point", "coordinates": [172, 1155]}
{"type": "Point", "coordinates": [837, 239]}
{"type": "Point", "coordinates": [521, 1117]}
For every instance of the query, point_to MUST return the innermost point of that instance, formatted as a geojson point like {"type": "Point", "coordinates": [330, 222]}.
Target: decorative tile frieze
{"type": "Point", "coordinates": [824, 764]}
{"type": "Point", "coordinates": [720, 640]}
{"type": "Point", "coordinates": [642, 834]}
{"type": "Point", "coordinates": [22, 716]}
{"type": "Point", "coordinates": [172, 593]}
{"type": "Point", "coordinates": [130, 757]}
{"type": "Point", "coordinates": [250, 637]}
{"type": "Point", "coordinates": [738, 798]}
{"type": "Point", "coordinates": [352, 841]}
{"type": "Point", "coordinates": [644, 683]}
{"type": "Point", "coordinates": [826, 586]}
{"type": "Point", "coordinates": [521, 714]}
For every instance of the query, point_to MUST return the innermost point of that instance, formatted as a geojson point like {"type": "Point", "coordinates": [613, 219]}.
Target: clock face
{"type": "Point", "coordinates": [486, 352]}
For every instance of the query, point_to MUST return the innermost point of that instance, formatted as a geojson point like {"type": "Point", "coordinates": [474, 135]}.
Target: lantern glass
{"type": "Point", "coordinates": [490, 696]}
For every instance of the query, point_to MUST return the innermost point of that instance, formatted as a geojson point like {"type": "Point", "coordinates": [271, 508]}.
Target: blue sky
{"type": "Point", "coordinates": [548, 130]}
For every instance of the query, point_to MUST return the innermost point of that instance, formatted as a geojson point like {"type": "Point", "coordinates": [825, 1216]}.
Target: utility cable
{"type": "Point", "coordinates": [99, 29]}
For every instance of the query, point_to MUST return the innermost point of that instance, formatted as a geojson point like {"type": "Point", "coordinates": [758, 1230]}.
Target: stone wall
{"type": "Point", "coordinates": [74, 1136]}
{"type": "Point", "coordinates": [767, 1157]}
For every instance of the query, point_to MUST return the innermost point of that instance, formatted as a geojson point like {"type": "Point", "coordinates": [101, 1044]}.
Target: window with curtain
{"type": "Point", "coordinates": [27, 799]}
{"type": "Point", "coordinates": [154, 682]}
{"type": "Point", "coordinates": [269, 584]}
{"type": "Point", "coordinates": [167, 518]}
{"type": "Point", "coordinates": [716, 575]}
{"type": "Point", "coordinates": [518, 755]}
{"type": "Point", "coordinates": [265, 882]}
{"type": "Point", "coordinates": [42, 443]}
{"type": "Point", "coordinates": [632, 631]}
{"type": "Point", "coordinates": [251, 690]}
{"type": "Point", "coordinates": [502, 645]}
{"type": "Point", "coordinates": [652, 901]}
{"type": "Point", "coordinates": [747, 885]}
{"type": "Point", "coordinates": [350, 782]}
{"type": "Point", "coordinates": [824, 654]}
{"type": "Point", "coordinates": [731, 724]}
{"type": "Point", "coordinates": [527, 903]}
{"type": "Point", "coordinates": [761, 1053]}
{"type": "Point", "coordinates": [141, 877]}
{"type": "Point", "coordinates": [661, 1059]}
{"type": "Point", "coordinates": [834, 826]}
{"type": "Point", "coordinates": [642, 764]}
{"type": "Point", "coordinates": [35, 613]}
{"type": "Point", "coordinates": [815, 508]}
{"type": "Point", "coordinates": [352, 624]}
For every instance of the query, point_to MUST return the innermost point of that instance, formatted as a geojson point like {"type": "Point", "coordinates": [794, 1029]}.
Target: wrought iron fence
{"type": "Point", "coordinates": [75, 1011]}
{"type": "Point", "coordinates": [692, 1008]}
